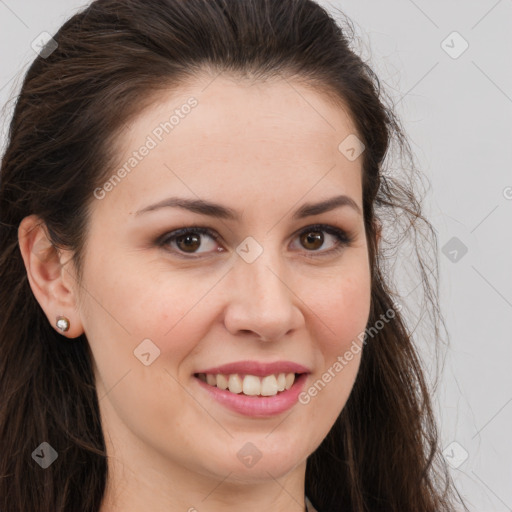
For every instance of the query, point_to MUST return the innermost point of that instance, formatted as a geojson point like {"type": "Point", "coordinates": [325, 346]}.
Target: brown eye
{"type": "Point", "coordinates": [312, 240]}
{"type": "Point", "coordinates": [188, 243]}
{"type": "Point", "coordinates": [193, 241]}
{"type": "Point", "coordinates": [322, 240]}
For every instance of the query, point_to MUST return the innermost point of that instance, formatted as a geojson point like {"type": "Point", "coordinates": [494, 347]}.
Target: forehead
{"type": "Point", "coordinates": [220, 134]}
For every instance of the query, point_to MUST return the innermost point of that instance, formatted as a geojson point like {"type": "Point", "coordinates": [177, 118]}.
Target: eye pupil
{"type": "Point", "coordinates": [191, 242]}
{"type": "Point", "coordinates": [313, 237]}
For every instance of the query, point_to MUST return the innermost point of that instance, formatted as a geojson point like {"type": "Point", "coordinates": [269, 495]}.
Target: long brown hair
{"type": "Point", "coordinates": [382, 452]}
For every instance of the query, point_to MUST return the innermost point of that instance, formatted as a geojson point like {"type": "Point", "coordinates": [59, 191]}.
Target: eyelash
{"type": "Point", "coordinates": [344, 239]}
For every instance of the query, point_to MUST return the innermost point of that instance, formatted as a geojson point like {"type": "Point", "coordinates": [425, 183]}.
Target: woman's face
{"type": "Point", "coordinates": [251, 283]}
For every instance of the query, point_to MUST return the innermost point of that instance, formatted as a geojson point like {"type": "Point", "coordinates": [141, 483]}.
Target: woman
{"type": "Point", "coordinates": [195, 307]}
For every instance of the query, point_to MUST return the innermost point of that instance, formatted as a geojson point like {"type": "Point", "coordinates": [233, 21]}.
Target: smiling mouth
{"type": "Point", "coordinates": [250, 385]}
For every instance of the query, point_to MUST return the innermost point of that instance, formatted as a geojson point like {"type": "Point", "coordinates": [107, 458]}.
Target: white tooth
{"type": "Point", "coordinates": [235, 383]}
{"type": "Point", "coordinates": [211, 379]}
{"type": "Point", "coordinates": [251, 385]}
{"type": "Point", "coordinates": [269, 386]}
{"type": "Point", "coordinates": [281, 382]}
{"type": "Point", "coordinates": [222, 381]}
{"type": "Point", "coordinates": [290, 379]}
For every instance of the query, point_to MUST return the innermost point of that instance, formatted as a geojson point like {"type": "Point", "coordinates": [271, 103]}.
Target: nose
{"type": "Point", "coordinates": [262, 301]}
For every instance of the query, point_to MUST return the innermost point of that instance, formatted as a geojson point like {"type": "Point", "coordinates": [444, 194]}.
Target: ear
{"type": "Point", "coordinates": [51, 275]}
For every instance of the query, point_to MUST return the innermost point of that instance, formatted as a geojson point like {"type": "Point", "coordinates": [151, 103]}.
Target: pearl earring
{"type": "Point", "coordinates": [62, 323]}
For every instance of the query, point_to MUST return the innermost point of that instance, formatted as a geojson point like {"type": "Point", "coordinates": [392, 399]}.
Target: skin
{"type": "Point", "coordinates": [262, 149]}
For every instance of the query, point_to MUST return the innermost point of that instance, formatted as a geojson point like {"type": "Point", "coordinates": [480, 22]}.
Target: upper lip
{"type": "Point", "coordinates": [256, 368]}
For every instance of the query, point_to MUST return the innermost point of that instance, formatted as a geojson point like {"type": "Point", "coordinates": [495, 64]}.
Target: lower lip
{"type": "Point", "coordinates": [257, 406]}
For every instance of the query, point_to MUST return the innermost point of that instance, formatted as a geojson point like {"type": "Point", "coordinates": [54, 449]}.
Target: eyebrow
{"type": "Point", "coordinates": [211, 209]}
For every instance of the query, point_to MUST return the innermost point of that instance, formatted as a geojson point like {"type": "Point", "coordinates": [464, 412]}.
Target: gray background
{"type": "Point", "coordinates": [457, 111]}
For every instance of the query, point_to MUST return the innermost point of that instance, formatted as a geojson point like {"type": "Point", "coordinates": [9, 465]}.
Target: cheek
{"type": "Point", "coordinates": [130, 305]}
{"type": "Point", "coordinates": [340, 309]}
{"type": "Point", "coordinates": [177, 314]}
{"type": "Point", "coordinates": [340, 314]}
{"type": "Point", "coordinates": [128, 316]}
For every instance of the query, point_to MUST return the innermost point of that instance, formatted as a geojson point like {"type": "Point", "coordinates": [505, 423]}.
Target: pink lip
{"type": "Point", "coordinates": [256, 406]}
{"type": "Point", "coordinates": [257, 369]}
